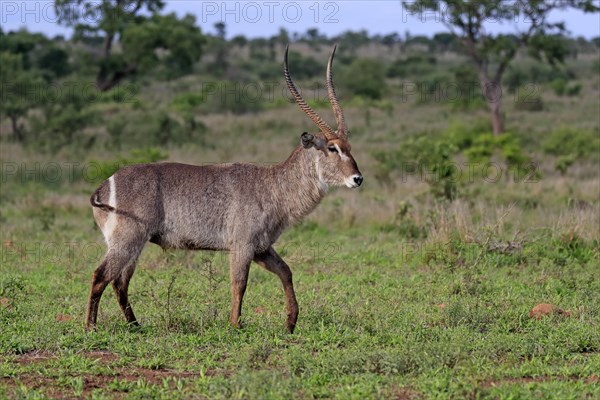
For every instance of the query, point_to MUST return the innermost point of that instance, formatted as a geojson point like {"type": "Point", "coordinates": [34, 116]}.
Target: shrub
{"type": "Point", "coordinates": [468, 93]}
{"type": "Point", "coordinates": [136, 156]}
{"type": "Point", "coordinates": [559, 86]}
{"type": "Point", "coordinates": [530, 102]}
{"type": "Point", "coordinates": [364, 77]}
{"type": "Point", "coordinates": [519, 76]}
{"type": "Point", "coordinates": [415, 65]}
{"type": "Point", "coordinates": [430, 159]}
{"type": "Point", "coordinates": [574, 90]}
{"type": "Point", "coordinates": [187, 102]}
{"type": "Point", "coordinates": [568, 142]}
{"type": "Point", "coordinates": [463, 135]}
{"type": "Point", "coordinates": [233, 97]}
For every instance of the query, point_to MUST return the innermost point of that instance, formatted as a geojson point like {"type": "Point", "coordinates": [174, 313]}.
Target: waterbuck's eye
{"type": "Point", "coordinates": [332, 149]}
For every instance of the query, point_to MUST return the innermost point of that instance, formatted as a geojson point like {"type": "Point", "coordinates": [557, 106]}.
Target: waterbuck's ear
{"type": "Point", "coordinates": [309, 140]}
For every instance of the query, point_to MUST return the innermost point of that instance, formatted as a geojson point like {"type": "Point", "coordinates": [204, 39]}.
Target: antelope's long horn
{"type": "Point", "coordinates": [323, 126]}
{"type": "Point", "coordinates": [342, 129]}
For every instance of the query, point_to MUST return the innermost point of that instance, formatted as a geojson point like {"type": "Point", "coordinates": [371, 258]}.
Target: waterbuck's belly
{"type": "Point", "coordinates": [194, 232]}
{"type": "Point", "coordinates": [215, 232]}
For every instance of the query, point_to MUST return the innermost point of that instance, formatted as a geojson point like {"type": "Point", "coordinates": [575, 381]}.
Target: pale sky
{"type": "Point", "coordinates": [265, 18]}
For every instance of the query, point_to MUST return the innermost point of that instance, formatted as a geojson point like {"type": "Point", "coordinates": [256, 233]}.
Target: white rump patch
{"type": "Point", "coordinates": [111, 221]}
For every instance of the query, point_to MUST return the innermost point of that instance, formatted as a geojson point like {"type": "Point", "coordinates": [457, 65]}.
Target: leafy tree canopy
{"type": "Point", "coordinates": [146, 37]}
{"type": "Point", "coordinates": [469, 20]}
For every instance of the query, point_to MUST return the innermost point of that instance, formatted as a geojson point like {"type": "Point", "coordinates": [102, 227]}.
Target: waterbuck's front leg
{"type": "Point", "coordinates": [271, 261]}
{"type": "Point", "coordinates": [239, 267]}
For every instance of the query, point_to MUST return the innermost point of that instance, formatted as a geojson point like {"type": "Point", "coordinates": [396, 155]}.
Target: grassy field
{"type": "Point", "coordinates": [401, 295]}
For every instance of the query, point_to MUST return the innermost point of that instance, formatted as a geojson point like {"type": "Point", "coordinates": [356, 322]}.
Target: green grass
{"type": "Point", "coordinates": [401, 295]}
{"type": "Point", "coordinates": [371, 324]}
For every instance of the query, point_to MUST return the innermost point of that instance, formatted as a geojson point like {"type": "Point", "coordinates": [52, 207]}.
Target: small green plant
{"type": "Point", "coordinates": [563, 163]}
{"type": "Point", "coordinates": [404, 223]}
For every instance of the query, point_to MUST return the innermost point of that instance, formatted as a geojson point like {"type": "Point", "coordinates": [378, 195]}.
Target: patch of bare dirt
{"type": "Point", "coordinates": [36, 356]}
{"type": "Point", "coordinates": [4, 303]}
{"type": "Point", "coordinates": [63, 318]}
{"type": "Point", "coordinates": [544, 309]}
{"type": "Point", "coordinates": [103, 356]}
{"type": "Point", "coordinates": [51, 387]}
{"type": "Point", "coordinates": [402, 393]}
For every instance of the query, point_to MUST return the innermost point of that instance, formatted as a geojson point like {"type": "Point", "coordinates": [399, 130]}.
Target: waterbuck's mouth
{"type": "Point", "coordinates": [354, 181]}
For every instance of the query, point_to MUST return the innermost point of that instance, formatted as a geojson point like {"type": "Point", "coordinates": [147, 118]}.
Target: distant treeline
{"type": "Point", "coordinates": [53, 89]}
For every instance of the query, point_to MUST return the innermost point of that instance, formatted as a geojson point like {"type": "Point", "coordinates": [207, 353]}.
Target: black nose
{"type": "Point", "coordinates": [358, 179]}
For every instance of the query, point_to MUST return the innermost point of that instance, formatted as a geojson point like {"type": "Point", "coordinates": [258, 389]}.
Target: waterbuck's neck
{"type": "Point", "coordinates": [298, 187]}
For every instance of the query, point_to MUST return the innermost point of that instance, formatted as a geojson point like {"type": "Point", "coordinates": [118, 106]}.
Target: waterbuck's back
{"type": "Point", "coordinates": [190, 207]}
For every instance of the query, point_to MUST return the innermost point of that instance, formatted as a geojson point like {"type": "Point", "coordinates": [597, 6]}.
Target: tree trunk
{"type": "Point", "coordinates": [497, 121]}
{"type": "Point", "coordinates": [492, 92]}
{"type": "Point", "coordinates": [17, 133]}
{"type": "Point", "coordinates": [108, 80]}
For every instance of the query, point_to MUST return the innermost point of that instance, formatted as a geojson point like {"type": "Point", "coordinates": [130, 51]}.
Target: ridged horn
{"type": "Point", "coordinates": [323, 126]}
{"type": "Point", "coordinates": [342, 129]}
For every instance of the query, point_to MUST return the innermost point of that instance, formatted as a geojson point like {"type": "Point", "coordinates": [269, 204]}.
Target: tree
{"type": "Point", "coordinates": [20, 91]}
{"type": "Point", "coordinates": [467, 20]}
{"type": "Point", "coordinates": [365, 77]}
{"type": "Point", "coordinates": [283, 38]}
{"type": "Point", "coordinates": [139, 29]}
{"type": "Point", "coordinates": [221, 49]}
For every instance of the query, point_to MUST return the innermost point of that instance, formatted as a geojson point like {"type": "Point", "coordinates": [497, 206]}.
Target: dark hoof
{"type": "Point", "coordinates": [290, 327]}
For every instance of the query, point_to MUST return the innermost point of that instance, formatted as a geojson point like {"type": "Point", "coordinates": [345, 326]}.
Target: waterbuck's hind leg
{"type": "Point", "coordinates": [118, 266]}
{"type": "Point", "coordinates": [99, 281]}
{"type": "Point", "coordinates": [239, 267]}
{"type": "Point", "coordinates": [121, 287]}
{"type": "Point", "coordinates": [272, 262]}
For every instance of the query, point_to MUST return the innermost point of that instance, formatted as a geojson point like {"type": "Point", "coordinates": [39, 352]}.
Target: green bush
{"type": "Point", "coordinates": [424, 157]}
{"type": "Point", "coordinates": [365, 77]}
{"type": "Point", "coordinates": [234, 97]}
{"type": "Point", "coordinates": [529, 102]}
{"type": "Point", "coordinates": [304, 67]}
{"type": "Point", "coordinates": [568, 142]}
{"type": "Point", "coordinates": [404, 223]}
{"type": "Point", "coordinates": [412, 66]}
{"type": "Point", "coordinates": [574, 90]}
{"type": "Point", "coordinates": [506, 145]}
{"type": "Point", "coordinates": [468, 90]}
{"type": "Point", "coordinates": [187, 102]}
{"type": "Point", "coordinates": [463, 135]}
{"type": "Point", "coordinates": [136, 156]}
{"type": "Point", "coordinates": [519, 76]}
{"type": "Point", "coordinates": [170, 130]}
{"type": "Point", "coordinates": [561, 87]}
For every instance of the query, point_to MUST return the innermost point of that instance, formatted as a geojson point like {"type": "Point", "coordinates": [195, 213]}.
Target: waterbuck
{"type": "Point", "coordinates": [239, 208]}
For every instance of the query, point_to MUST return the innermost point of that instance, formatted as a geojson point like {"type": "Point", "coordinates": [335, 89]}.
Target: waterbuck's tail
{"type": "Point", "coordinates": [95, 201]}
